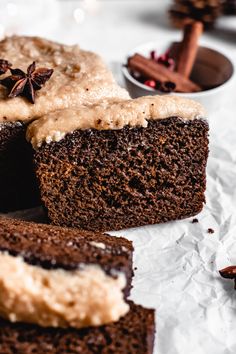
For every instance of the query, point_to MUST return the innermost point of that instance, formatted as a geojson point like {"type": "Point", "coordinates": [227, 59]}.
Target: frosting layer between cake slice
{"type": "Point", "coordinates": [55, 276]}
{"type": "Point", "coordinates": [59, 298]}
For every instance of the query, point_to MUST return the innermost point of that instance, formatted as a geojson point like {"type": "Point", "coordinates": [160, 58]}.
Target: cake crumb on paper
{"type": "Point", "coordinates": [210, 231]}
{"type": "Point", "coordinates": [194, 221]}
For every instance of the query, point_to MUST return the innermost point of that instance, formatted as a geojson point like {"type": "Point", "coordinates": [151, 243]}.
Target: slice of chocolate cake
{"type": "Point", "coordinates": [122, 164]}
{"type": "Point", "coordinates": [132, 334]}
{"type": "Point", "coordinates": [54, 276]}
{"type": "Point", "coordinates": [79, 77]}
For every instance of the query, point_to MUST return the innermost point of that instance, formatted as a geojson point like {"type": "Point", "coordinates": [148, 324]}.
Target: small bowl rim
{"type": "Point", "coordinates": [127, 75]}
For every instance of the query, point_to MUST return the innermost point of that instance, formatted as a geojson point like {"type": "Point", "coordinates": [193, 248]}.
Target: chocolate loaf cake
{"type": "Point", "coordinates": [122, 164]}
{"type": "Point", "coordinates": [18, 187]}
{"type": "Point", "coordinates": [132, 334]}
{"type": "Point", "coordinates": [54, 276]}
{"type": "Point", "coordinates": [78, 77]}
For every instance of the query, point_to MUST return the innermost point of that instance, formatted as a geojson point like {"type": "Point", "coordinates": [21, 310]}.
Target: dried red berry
{"type": "Point", "coordinates": [171, 64]}
{"type": "Point", "coordinates": [210, 231]}
{"type": "Point", "coordinates": [153, 55]}
{"type": "Point", "coordinates": [163, 59]}
{"type": "Point", "coordinates": [150, 83]}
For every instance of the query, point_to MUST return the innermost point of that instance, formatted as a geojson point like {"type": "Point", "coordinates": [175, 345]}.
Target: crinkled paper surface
{"type": "Point", "coordinates": [178, 262]}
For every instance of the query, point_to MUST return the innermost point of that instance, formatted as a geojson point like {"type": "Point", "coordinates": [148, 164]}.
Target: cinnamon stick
{"type": "Point", "coordinates": [188, 48]}
{"type": "Point", "coordinates": [158, 72]}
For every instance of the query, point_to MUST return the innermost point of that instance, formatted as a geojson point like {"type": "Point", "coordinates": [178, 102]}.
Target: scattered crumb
{"type": "Point", "coordinates": [135, 268]}
{"type": "Point", "coordinates": [210, 231]}
{"type": "Point", "coordinates": [194, 220]}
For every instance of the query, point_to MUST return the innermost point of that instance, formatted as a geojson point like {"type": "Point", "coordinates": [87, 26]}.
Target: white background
{"type": "Point", "coordinates": [177, 262]}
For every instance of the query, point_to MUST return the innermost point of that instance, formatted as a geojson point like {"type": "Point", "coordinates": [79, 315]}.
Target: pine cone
{"type": "Point", "coordinates": [229, 7]}
{"type": "Point", "coordinates": [186, 11]}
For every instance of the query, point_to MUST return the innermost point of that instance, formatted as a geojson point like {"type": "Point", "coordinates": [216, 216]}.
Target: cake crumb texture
{"type": "Point", "coordinates": [114, 179]}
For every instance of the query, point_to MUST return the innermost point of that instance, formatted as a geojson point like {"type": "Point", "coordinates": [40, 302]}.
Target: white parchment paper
{"type": "Point", "coordinates": [178, 262]}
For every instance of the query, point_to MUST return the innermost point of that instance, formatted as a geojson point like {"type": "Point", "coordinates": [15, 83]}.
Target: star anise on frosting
{"type": "Point", "coordinates": [4, 66]}
{"type": "Point", "coordinates": [25, 84]}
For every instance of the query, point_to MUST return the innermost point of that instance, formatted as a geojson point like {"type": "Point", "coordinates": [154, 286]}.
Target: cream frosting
{"type": "Point", "coordinates": [59, 298]}
{"type": "Point", "coordinates": [111, 115]}
{"type": "Point", "coordinates": [79, 77]}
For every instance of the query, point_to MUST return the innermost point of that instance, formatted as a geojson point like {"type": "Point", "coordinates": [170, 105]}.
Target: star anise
{"type": "Point", "coordinates": [25, 84]}
{"type": "Point", "coordinates": [4, 66]}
